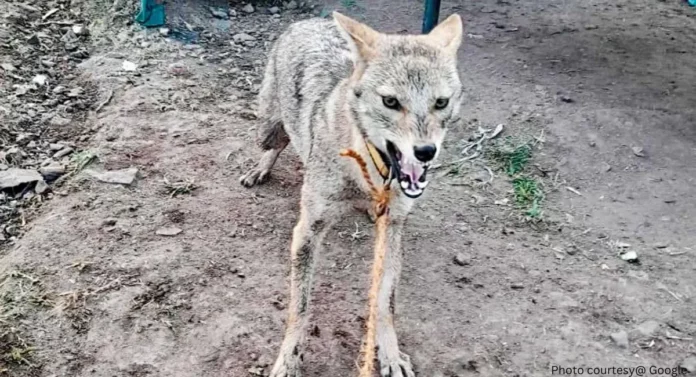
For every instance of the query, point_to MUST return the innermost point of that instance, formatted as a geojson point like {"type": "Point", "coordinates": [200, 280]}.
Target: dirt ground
{"type": "Point", "coordinates": [183, 273]}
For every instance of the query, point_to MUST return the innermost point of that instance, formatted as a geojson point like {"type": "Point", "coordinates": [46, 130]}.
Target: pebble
{"type": "Point", "coordinates": [242, 37]}
{"type": "Point", "coordinates": [291, 5]}
{"type": "Point", "coordinates": [630, 256]}
{"type": "Point", "coordinates": [462, 260]}
{"type": "Point", "coordinates": [51, 172]}
{"type": "Point", "coordinates": [129, 66]}
{"type": "Point", "coordinates": [217, 13]}
{"type": "Point", "coordinates": [7, 67]}
{"type": "Point", "coordinates": [638, 151]}
{"type": "Point", "coordinates": [248, 8]}
{"type": "Point", "coordinates": [41, 187]}
{"type": "Point", "coordinates": [122, 177]}
{"type": "Point", "coordinates": [40, 80]}
{"type": "Point", "coordinates": [516, 286]}
{"type": "Point", "coordinates": [273, 10]}
{"type": "Point", "coordinates": [168, 231]}
{"type": "Point", "coordinates": [56, 146]}
{"type": "Point", "coordinates": [620, 338]}
{"type": "Point", "coordinates": [109, 222]}
{"type": "Point", "coordinates": [164, 31]}
{"type": "Point", "coordinates": [63, 152]}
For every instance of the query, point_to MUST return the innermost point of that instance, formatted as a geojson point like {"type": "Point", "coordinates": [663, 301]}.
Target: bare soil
{"type": "Point", "coordinates": [92, 287]}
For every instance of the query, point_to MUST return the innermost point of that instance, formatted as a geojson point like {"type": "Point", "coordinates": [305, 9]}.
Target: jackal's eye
{"type": "Point", "coordinates": [391, 103]}
{"type": "Point", "coordinates": [441, 103]}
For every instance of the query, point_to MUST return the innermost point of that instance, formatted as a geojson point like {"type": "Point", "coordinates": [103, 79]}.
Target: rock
{"type": "Point", "coordinates": [648, 328]}
{"type": "Point", "coordinates": [7, 67]}
{"type": "Point", "coordinates": [3, 167]}
{"type": "Point", "coordinates": [80, 30]}
{"type": "Point", "coordinates": [40, 80]}
{"type": "Point", "coordinates": [218, 13]}
{"type": "Point", "coordinates": [164, 31]}
{"type": "Point", "coordinates": [462, 260]}
{"type": "Point", "coordinates": [41, 187]}
{"type": "Point", "coordinates": [630, 256]}
{"type": "Point", "coordinates": [689, 364]}
{"type": "Point", "coordinates": [291, 5]}
{"type": "Point", "coordinates": [56, 146]}
{"type": "Point", "coordinates": [51, 172]}
{"type": "Point", "coordinates": [638, 151]}
{"type": "Point", "coordinates": [121, 177]}
{"type": "Point", "coordinates": [516, 286]}
{"type": "Point", "coordinates": [109, 222]}
{"type": "Point", "coordinates": [59, 121]}
{"type": "Point", "coordinates": [242, 37]}
{"type": "Point", "coordinates": [129, 66]}
{"type": "Point", "coordinates": [606, 167]}
{"type": "Point", "coordinates": [248, 8]}
{"type": "Point", "coordinates": [620, 338]}
{"type": "Point", "coordinates": [273, 10]}
{"type": "Point", "coordinates": [168, 231]}
{"type": "Point", "coordinates": [233, 13]}
{"type": "Point", "coordinates": [63, 152]}
{"type": "Point", "coordinates": [14, 177]}
{"type": "Point", "coordinates": [661, 245]}
{"type": "Point", "coordinates": [567, 99]}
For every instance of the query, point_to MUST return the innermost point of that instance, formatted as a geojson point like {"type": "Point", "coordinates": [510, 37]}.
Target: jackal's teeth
{"type": "Point", "coordinates": [404, 184]}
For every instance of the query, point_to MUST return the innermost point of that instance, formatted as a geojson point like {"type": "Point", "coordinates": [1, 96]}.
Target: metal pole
{"type": "Point", "coordinates": [431, 15]}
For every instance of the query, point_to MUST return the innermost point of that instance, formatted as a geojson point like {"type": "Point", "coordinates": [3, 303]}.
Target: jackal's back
{"type": "Point", "coordinates": [305, 65]}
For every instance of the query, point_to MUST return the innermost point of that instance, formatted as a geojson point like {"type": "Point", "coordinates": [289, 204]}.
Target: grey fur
{"type": "Point", "coordinates": [323, 91]}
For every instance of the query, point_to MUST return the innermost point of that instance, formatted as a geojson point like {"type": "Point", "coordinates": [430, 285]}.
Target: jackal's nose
{"type": "Point", "coordinates": [425, 153]}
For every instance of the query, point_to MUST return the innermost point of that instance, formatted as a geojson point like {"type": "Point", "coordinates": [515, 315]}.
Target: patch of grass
{"type": "Point", "coordinates": [514, 158]}
{"type": "Point", "coordinates": [179, 187]}
{"type": "Point", "coordinates": [82, 159]}
{"type": "Point", "coordinates": [528, 195]}
{"type": "Point", "coordinates": [20, 294]}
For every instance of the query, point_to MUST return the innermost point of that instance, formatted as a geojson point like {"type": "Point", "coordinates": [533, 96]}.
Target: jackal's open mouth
{"type": "Point", "coordinates": [410, 173]}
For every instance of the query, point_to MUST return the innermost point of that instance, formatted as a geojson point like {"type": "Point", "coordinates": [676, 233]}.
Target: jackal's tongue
{"type": "Point", "coordinates": [412, 178]}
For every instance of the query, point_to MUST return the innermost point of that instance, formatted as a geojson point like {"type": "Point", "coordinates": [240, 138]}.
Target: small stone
{"type": "Point", "coordinates": [122, 177]}
{"type": "Point", "coordinates": [462, 260]}
{"type": "Point", "coordinates": [689, 364]}
{"type": "Point", "coordinates": [567, 99]}
{"type": "Point", "coordinates": [7, 67]}
{"type": "Point", "coordinates": [218, 13]}
{"type": "Point", "coordinates": [63, 152]}
{"type": "Point", "coordinates": [129, 66]}
{"type": "Point", "coordinates": [661, 245]}
{"type": "Point", "coordinates": [591, 27]}
{"type": "Point", "coordinates": [273, 10]}
{"type": "Point", "coordinates": [638, 151]}
{"type": "Point", "coordinates": [620, 338]}
{"type": "Point", "coordinates": [606, 167]}
{"type": "Point", "coordinates": [109, 222]}
{"type": "Point", "coordinates": [3, 167]}
{"type": "Point", "coordinates": [168, 231]}
{"type": "Point", "coordinates": [59, 121]}
{"type": "Point", "coordinates": [51, 172]}
{"type": "Point", "coordinates": [56, 146]}
{"type": "Point", "coordinates": [291, 5]}
{"type": "Point", "coordinates": [630, 256]}
{"type": "Point", "coordinates": [80, 30]}
{"type": "Point", "coordinates": [648, 328]}
{"type": "Point", "coordinates": [516, 286]}
{"type": "Point", "coordinates": [248, 8]}
{"type": "Point", "coordinates": [41, 187]}
{"type": "Point", "coordinates": [233, 13]}
{"type": "Point", "coordinates": [40, 80]}
{"type": "Point", "coordinates": [14, 177]}
{"type": "Point", "coordinates": [164, 31]}
{"type": "Point", "coordinates": [242, 37]}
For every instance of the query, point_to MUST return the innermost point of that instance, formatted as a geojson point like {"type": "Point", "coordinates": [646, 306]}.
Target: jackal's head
{"type": "Point", "coordinates": [406, 92]}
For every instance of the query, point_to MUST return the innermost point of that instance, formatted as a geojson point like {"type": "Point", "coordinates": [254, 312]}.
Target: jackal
{"type": "Point", "coordinates": [335, 84]}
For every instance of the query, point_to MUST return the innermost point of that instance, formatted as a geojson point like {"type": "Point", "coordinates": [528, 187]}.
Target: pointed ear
{"type": "Point", "coordinates": [448, 34]}
{"type": "Point", "coordinates": [361, 38]}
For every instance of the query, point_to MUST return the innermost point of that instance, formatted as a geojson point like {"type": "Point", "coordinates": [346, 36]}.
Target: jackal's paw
{"type": "Point", "coordinates": [286, 366]}
{"type": "Point", "coordinates": [254, 176]}
{"type": "Point", "coordinates": [396, 367]}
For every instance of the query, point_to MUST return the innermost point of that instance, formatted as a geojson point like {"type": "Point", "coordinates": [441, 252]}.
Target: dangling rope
{"type": "Point", "coordinates": [380, 202]}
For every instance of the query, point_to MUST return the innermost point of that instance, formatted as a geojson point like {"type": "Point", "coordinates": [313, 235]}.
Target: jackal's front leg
{"type": "Point", "coordinates": [393, 362]}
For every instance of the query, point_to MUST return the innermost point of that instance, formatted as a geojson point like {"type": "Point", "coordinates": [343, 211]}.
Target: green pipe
{"type": "Point", "coordinates": [431, 15]}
